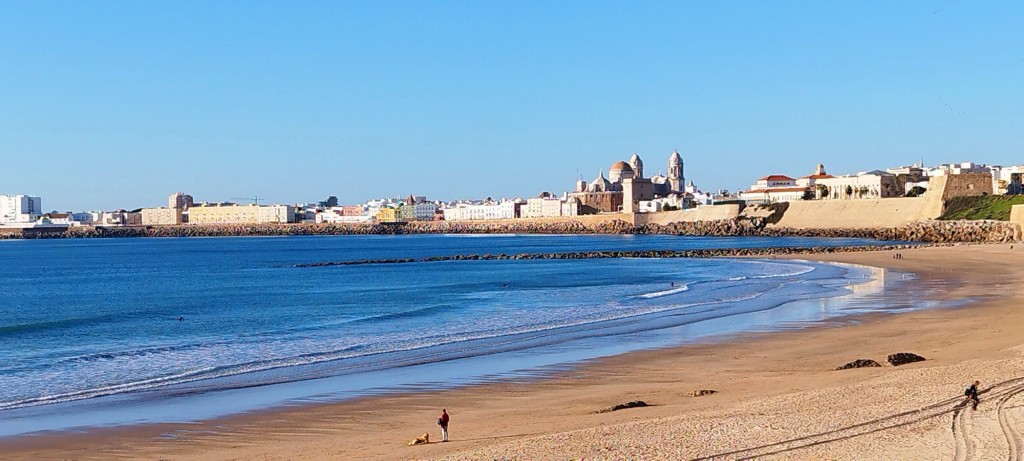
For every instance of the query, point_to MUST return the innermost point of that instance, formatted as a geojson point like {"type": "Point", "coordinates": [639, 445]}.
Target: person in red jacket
{"type": "Point", "coordinates": [443, 422]}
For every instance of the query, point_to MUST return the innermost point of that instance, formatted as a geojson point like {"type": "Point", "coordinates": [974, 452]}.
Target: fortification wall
{"type": "Point", "coordinates": [588, 220]}
{"type": "Point", "coordinates": [943, 188]}
{"type": "Point", "coordinates": [856, 214]}
{"type": "Point", "coordinates": [964, 185]}
{"type": "Point", "coordinates": [703, 213]}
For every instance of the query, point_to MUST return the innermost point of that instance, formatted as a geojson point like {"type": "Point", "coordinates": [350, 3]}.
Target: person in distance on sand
{"type": "Point", "coordinates": [443, 422]}
{"type": "Point", "coordinates": [972, 394]}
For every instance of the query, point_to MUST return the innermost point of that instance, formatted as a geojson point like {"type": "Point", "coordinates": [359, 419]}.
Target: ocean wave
{"type": "Point", "coordinates": [99, 391]}
{"type": "Point", "coordinates": [800, 271]}
{"type": "Point", "coordinates": [658, 294]}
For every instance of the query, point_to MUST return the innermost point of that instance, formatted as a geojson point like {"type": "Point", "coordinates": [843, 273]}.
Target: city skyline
{"type": "Point", "coordinates": [117, 105]}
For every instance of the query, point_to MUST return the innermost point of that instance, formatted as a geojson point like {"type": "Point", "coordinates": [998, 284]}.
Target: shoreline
{"type": "Point", "coordinates": [494, 415]}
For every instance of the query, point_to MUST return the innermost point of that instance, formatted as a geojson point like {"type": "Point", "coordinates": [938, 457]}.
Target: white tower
{"type": "Point", "coordinates": [638, 166]}
{"type": "Point", "coordinates": [675, 172]}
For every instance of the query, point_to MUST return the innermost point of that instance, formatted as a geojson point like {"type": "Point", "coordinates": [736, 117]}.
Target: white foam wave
{"type": "Point", "coordinates": [104, 390]}
{"type": "Point", "coordinates": [658, 294]}
{"type": "Point", "coordinates": [801, 270]}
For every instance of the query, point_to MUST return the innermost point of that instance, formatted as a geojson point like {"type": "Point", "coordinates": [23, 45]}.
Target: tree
{"type": "Point", "coordinates": [823, 191]}
{"type": "Point", "coordinates": [915, 191]}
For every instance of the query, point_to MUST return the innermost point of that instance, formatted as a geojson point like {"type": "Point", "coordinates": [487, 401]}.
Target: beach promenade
{"type": "Point", "coordinates": [777, 395]}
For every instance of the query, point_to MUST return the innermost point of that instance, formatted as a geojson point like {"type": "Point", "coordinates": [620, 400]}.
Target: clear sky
{"type": "Point", "coordinates": [108, 104]}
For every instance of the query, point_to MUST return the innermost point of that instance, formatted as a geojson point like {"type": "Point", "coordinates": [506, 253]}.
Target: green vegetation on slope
{"type": "Point", "coordinates": [981, 207]}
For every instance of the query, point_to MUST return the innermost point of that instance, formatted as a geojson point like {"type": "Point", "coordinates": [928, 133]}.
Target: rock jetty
{"type": "Point", "coordinates": [701, 253]}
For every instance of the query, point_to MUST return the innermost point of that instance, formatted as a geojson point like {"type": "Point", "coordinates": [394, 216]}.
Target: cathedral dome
{"type": "Point", "coordinates": [621, 166]}
{"type": "Point", "coordinates": [620, 170]}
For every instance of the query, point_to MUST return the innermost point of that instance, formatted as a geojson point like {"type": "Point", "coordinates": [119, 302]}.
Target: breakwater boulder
{"type": "Point", "coordinates": [623, 406]}
{"type": "Point", "coordinates": [859, 363]}
{"type": "Point", "coordinates": [903, 358]}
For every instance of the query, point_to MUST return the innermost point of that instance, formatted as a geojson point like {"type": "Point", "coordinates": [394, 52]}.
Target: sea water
{"type": "Point", "coordinates": [119, 331]}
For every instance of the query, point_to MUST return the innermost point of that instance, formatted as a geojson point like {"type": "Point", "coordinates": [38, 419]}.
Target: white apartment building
{"type": "Point", "coordinates": [676, 201]}
{"type": "Point", "coordinates": [476, 212]}
{"type": "Point", "coordinates": [105, 219]}
{"type": "Point", "coordinates": [336, 215]}
{"type": "Point", "coordinates": [373, 207]}
{"type": "Point", "coordinates": [543, 207]}
{"type": "Point", "coordinates": [773, 181]}
{"type": "Point", "coordinates": [1007, 179]}
{"type": "Point", "coordinates": [958, 168]}
{"type": "Point", "coordinates": [863, 185]}
{"type": "Point", "coordinates": [179, 200]}
{"type": "Point", "coordinates": [20, 209]}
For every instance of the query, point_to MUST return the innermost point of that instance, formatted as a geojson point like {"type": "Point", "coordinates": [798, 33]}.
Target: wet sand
{"type": "Point", "coordinates": [777, 395]}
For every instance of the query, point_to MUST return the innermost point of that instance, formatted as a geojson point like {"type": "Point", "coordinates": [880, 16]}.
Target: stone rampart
{"type": "Point", "coordinates": [920, 231]}
{"type": "Point", "coordinates": [855, 213]}
{"type": "Point", "coordinates": [701, 213]}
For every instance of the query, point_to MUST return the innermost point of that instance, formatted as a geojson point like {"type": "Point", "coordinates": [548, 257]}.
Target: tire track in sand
{"type": "Point", "coordinates": [1013, 440]}
{"type": "Point", "coordinates": [961, 428]}
{"type": "Point", "coordinates": [961, 433]}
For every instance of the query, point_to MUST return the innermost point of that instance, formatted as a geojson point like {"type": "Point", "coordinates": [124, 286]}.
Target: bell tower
{"type": "Point", "coordinates": [638, 166]}
{"type": "Point", "coordinates": [676, 179]}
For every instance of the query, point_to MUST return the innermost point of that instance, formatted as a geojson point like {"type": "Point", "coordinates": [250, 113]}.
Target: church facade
{"type": "Point", "coordinates": [626, 186]}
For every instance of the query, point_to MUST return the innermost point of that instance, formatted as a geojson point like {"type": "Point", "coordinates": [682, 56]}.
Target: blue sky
{"type": "Point", "coordinates": [117, 104]}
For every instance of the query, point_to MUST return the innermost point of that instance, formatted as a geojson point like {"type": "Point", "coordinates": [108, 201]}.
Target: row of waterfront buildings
{"type": "Point", "coordinates": [907, 181]}
{"type": "Point", "coordinates": [625, 189]}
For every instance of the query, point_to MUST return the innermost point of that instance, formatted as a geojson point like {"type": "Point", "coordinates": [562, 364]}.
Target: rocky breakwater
{"type": "Point", "coordinates": [961, 231]}
{"type": "Point", "coordinates": [426, 227]}
{"type": "Point", "coordinates": [702, 253]}
{"type": "Point", "coordinates": [919, 231]}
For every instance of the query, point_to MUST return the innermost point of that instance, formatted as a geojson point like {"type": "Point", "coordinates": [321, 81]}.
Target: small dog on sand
{"type": "Point", "coordinates": [425, 438]}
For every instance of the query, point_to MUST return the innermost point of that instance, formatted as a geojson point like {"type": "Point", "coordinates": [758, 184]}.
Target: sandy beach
{"type": "Point", "coordinates": [777, 395]}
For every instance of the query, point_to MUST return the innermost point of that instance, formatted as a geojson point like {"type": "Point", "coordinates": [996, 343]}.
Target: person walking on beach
{"type": "Point", "coordinates": [443, 422]}
{"type": "Point", "coordinates": [972, 393]}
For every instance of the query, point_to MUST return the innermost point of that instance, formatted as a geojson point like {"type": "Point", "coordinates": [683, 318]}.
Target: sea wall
{"type": "Point", "coordinates": [702, 213]}
{"type": "Point", "coordinates": [856, 214]}
{"type": "Point", "coordinates": [919, 231]}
